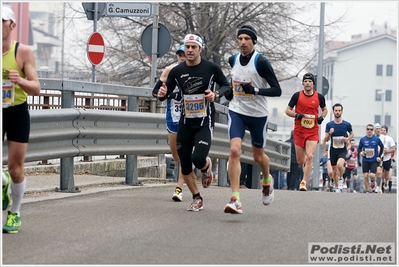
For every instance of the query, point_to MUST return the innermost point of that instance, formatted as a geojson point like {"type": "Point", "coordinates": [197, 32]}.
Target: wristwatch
{"type": "Point", "coordinates": [256, 89]}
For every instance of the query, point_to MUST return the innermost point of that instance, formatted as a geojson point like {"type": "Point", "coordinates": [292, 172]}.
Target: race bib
{"type": "Point", "coordinates": [369, 152]}
{"type": "Point", "coordinates": [194, 106]}
{"type": "Point", "coordinates": [176, 111]}
{"type": "Point", "coordinates": [237, 88]}
{"type": "Point", "coordinates": [8, 93]}
{"type": "Point", "coordinates": [338, 142]}
{"type": "Point", "coordinates": [308, 121]}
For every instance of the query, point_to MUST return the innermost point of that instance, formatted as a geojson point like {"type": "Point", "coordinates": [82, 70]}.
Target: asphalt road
{"type": "Point", "coordinates": [134, 225]}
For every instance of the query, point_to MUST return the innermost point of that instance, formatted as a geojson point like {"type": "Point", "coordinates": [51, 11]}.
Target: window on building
{"type": "Point", "coordinates": [387, 120]}
{"type": "Point", "coordinates": [379, 70]}
{"type": "Point", "coordinates": [389, 70]}
{"type": "Point", "coordinates": [378, 96]}
{"type": "Point", "coordinates": [388, 95]}
{"type": "Point", "coordinates": [377, 119]}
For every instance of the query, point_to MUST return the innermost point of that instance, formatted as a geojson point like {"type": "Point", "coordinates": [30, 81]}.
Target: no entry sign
{"type": "Point", "coordinates": [95, 48]}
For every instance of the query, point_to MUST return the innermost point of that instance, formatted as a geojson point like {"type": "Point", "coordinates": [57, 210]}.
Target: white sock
{"type": "Point", "coordinates": [17, 193]}
{"type": "Point", "coordinates": [3, 177]}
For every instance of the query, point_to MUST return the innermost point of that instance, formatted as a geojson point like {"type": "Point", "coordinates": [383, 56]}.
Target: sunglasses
{"type": "Point", "coordinates": [369, 129]}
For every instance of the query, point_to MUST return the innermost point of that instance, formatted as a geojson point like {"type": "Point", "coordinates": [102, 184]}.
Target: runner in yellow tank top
{"type": "Point", "coordinates": [19, 77]}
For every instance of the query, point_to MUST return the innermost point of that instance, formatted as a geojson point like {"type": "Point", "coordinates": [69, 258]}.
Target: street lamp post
{"type": "Point", "coordinates": [382, 93]}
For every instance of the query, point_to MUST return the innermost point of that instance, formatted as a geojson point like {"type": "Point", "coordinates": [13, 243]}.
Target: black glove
{"type": "Point", "coordinates": [175, 95]}
{"type": "Point", "coordinates": [320, 119]}
{"type": "Point", "coordinates": [299, 116]}
{"type": "Point", "coordinates": [228, 94]}
{"type": "Point", "coordinates": [248, 89]}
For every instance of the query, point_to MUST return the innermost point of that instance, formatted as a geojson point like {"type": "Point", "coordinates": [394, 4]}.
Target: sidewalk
{"type": "Point", "coordinates": [46, 186]}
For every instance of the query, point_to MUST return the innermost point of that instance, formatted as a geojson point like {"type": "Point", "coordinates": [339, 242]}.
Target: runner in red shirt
{"type": "Point", "coordinates": [307, 120]}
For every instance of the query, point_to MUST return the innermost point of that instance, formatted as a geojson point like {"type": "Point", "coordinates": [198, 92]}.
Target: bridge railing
{"type": "Point", "coordinates": [70, 132]}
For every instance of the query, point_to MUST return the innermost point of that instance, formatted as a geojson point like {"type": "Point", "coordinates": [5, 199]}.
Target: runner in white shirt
{"type": "Point", "coordinates": [389, 148]}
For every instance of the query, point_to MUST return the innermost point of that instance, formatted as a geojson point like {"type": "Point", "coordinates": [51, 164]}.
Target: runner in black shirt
{"type": "Point", "coordinates": [196, 79]}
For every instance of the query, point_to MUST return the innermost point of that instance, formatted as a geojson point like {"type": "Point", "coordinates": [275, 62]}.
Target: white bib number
{"type": "Point", "coordinates": [194, 106]}
{"type": "Point", "coordinates": [238, 92]}
{"type": "Point", "coordinates": [8, 93]}
{"type": "Point", "coordinates": [308, 121]}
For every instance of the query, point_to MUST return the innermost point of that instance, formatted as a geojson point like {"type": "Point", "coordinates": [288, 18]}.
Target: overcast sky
{"type": "Point", "coordinates": [359, 15]}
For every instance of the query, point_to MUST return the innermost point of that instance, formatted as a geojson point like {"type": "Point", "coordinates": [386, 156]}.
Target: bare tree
{"type": "Point", "coordinates": [285, 41]}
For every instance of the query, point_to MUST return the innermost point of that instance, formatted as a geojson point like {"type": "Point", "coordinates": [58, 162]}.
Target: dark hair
{"type": "Point", "coordinates": [385, 127]}
{"type": "Point", "coordinates": [338, 105]}
{"type": "Point", "coordinates": [309, 76]}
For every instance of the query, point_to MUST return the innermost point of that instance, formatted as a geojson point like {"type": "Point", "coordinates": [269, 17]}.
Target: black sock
{"type": "Point", "coordinates": [197, 196]}
{"type": "Point", "coordinates": [389, 185]}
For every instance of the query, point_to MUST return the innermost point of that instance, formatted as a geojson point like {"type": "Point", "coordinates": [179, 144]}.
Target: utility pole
{"type": "Point", "coordinates": [316, 169]}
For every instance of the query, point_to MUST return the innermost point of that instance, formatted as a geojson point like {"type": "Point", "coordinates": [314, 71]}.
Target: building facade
{"type": "Point", "coordinates": [362, 76]}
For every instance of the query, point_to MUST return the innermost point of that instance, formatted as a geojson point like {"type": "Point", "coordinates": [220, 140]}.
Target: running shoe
{"type": "Point", "coordinates": [337, 190]}
{"type": "Point", "coordinates": [354, 191]}
{"type": "Point", "coordinates": [340, 183]}
{"type": "Point", "coordinates": [178, 195]}
{"type": "Point", "coordinates": [268, 193]}
{"type": "Point", "coordinates": [378, 190]}
{"type": "Point", "coordinates": [6, 194]}
{"type": "Point", "coordinates": [302, 186]}
{"type": "Point", "coordinates": [372, 186]}
{"type": "Point", "coordinates": [197, 205]}
{"type": "Point", "coordinates": [207, 176]}
{"type": "Point", "coordinates": [13, 223]}
{"type": "Point", "coordinates": [233, 207]}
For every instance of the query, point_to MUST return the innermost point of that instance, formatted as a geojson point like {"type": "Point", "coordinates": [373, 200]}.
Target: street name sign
{"type": "Point", "coordinates": [128, 9]}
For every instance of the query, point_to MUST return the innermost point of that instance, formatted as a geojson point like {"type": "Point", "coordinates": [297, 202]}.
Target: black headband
{"type": "Point", "coordinates": [308, 76]}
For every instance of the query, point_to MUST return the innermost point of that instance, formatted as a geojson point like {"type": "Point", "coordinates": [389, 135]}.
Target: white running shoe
{"type": "Point", "coordinates": [233, 207]}
{"type": "Point", "coordinates": [178, 195]}
{"type": "Point", "coordinates": [340, 183]}
{"type": "Point", "coordinates": [268, 192]}
{"type": "Point", "coordinates": [196, 205]}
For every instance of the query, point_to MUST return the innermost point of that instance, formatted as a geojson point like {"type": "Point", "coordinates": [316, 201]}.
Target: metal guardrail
{"type": "Point", "coordinates": [69, 132]}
